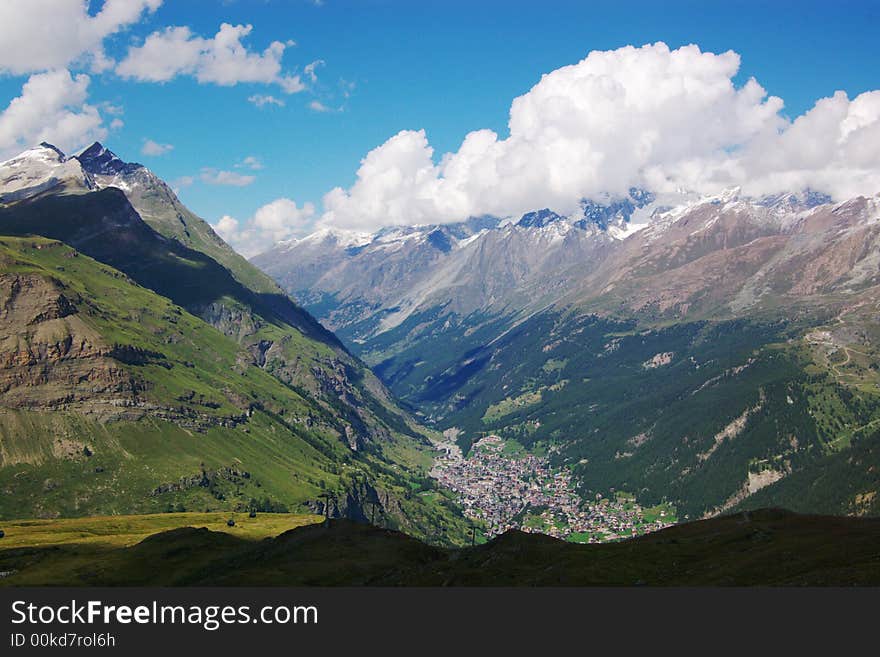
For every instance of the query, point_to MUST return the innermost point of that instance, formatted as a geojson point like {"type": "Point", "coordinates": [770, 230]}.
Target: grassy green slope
{"type": "Point", "coordinates": [279, 335]}
{"type": "Point", "coordinates": [127, 530]}
{"type": "Point", "coordinates": [208, 429]}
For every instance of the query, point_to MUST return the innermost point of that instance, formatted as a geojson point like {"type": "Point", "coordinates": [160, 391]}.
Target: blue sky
{"type": "Point", "coordinates": [446, 67]}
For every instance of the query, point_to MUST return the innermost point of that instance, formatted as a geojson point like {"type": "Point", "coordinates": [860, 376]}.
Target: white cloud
{"type": "Point", "coordinates": [227, 228]}
{"type": "Point", "coordinates": [112, 110]}
{"type": "Point", "coordinates": [833, 148]}
{"type": "Point", "coordinates": [282, 218]}
{"type": "Point", "coordinates": [117, 124]}
{"type": "Point", "coordinates": [279, 220]}
{"type": "Point", "coordinates": [52, 107]}
{"type": "Point", "coordinates": [291, 84]}
{"type": "Point", "coordinates": [261, 100]}
{"type": "Point", "coordinates": [223, 60]}
{"type": "Point", "coordinates": [229, 178]}
{"type": "Point", "coordinates": [40, 35]}
{"type": "Point", "coordinates": [251, 162]}
{"type": "Point", "coordinates": [155, 149]}
{"type": "Point", "coordinates": [650, 116]}
{"type": "Point", "coordinates": [310, 68]}
{"type": "Point", "coordinates": [318, 106]}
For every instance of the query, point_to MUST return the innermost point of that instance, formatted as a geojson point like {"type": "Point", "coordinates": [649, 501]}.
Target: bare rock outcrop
{"type": "Point", "coordinates": [49, 356]}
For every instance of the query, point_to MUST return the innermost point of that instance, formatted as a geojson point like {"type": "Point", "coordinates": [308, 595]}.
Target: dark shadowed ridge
{"type": "Point", "coordinates": [758, 548]}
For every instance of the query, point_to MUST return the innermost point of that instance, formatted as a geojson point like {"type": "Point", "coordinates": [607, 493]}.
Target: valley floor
{"type": "Point", "coordinates": [505, 487]}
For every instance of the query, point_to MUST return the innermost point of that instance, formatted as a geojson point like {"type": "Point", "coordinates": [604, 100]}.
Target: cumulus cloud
{"type": "Point", "coordinates": [223, 59]}
{"type": "Point", "coordinates": [155, 149]}
{"type": "Point", "coordinates": [41, 35]}
{"type": "Point", "coordinates": [52, 107]}
{"type": "Point", "coordinates": [227, 228]}
{"type": "Point", "coordinates": [282, 218]}
{"type": "Point", "coordinates": [291, 84]}
{"type": "Point", "coordinates": [833, 148]}
{"type": "Point", "coordinates": [279, 220]}
{"type": "Point", "coordinates": [650, 116]}
{"type": "Point", "coordinates": [112, 110]}
{"type": "Point", "coordinates": [228, 178]}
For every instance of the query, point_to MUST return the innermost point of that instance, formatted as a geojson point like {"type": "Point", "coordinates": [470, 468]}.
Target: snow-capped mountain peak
{"type": "Point", "coordinates": [46, 167]}
{"type": "Point", "coordinates": [335, 236]}
{"type": "Point", "coordinates": [43, 154]}
{"type": "Point", "coordinates": [39, 169]}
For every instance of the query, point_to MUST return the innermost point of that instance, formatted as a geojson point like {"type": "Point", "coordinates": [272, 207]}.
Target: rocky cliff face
{"type": "Point", "coordinates": [363, 502]}
{"type": "Point", "coordinates": [50, 358]}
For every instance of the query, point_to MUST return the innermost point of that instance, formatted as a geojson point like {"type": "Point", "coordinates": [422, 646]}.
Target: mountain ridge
{"type": "Point", "coordinates": [347, 438]}
{"type": "Point", "coordinates": [759, 548]}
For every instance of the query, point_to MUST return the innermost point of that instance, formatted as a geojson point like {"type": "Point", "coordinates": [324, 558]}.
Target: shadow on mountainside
{"type": "Point", "coordinates": [769, 547]}
{"type": "Point", "coordinates": [105, 226]}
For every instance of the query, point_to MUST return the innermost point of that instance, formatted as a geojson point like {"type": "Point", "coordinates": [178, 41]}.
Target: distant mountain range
{"type": "Point", "coordinates": [362, 285]}
{"type": "Point", "coordinates": [145, 366]}
{"type": "Point", "coordinates": [718, 353]}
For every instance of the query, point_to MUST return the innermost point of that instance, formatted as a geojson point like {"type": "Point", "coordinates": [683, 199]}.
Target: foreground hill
{"type": "Point", "coordinates": [762, 548]}
{"type": "Point", "coordinates": [139, 373]}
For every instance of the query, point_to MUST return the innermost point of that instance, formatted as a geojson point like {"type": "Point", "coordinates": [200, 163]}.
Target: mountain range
{"type": "Point", "coordinates": [145, 366]}
{"type": "Point", "coordinates": [717, 353]}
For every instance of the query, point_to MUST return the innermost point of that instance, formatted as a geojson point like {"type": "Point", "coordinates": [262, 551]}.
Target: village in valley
{"type": "Point", "coordinates": [503, 486]}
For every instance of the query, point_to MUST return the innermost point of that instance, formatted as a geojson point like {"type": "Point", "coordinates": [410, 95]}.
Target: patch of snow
{"type": "Point", "coordinates": [342, 237]}
{"type": "Point", "coordinates": [622, 232]}
{"type": "Point", "coordinates": [473, 238]}
{"type": "Point", "coordinates": [39, 169]}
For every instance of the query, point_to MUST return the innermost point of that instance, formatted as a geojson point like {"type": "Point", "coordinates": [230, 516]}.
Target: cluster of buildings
{"type": "Point", "coordinates": [510, 490]}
